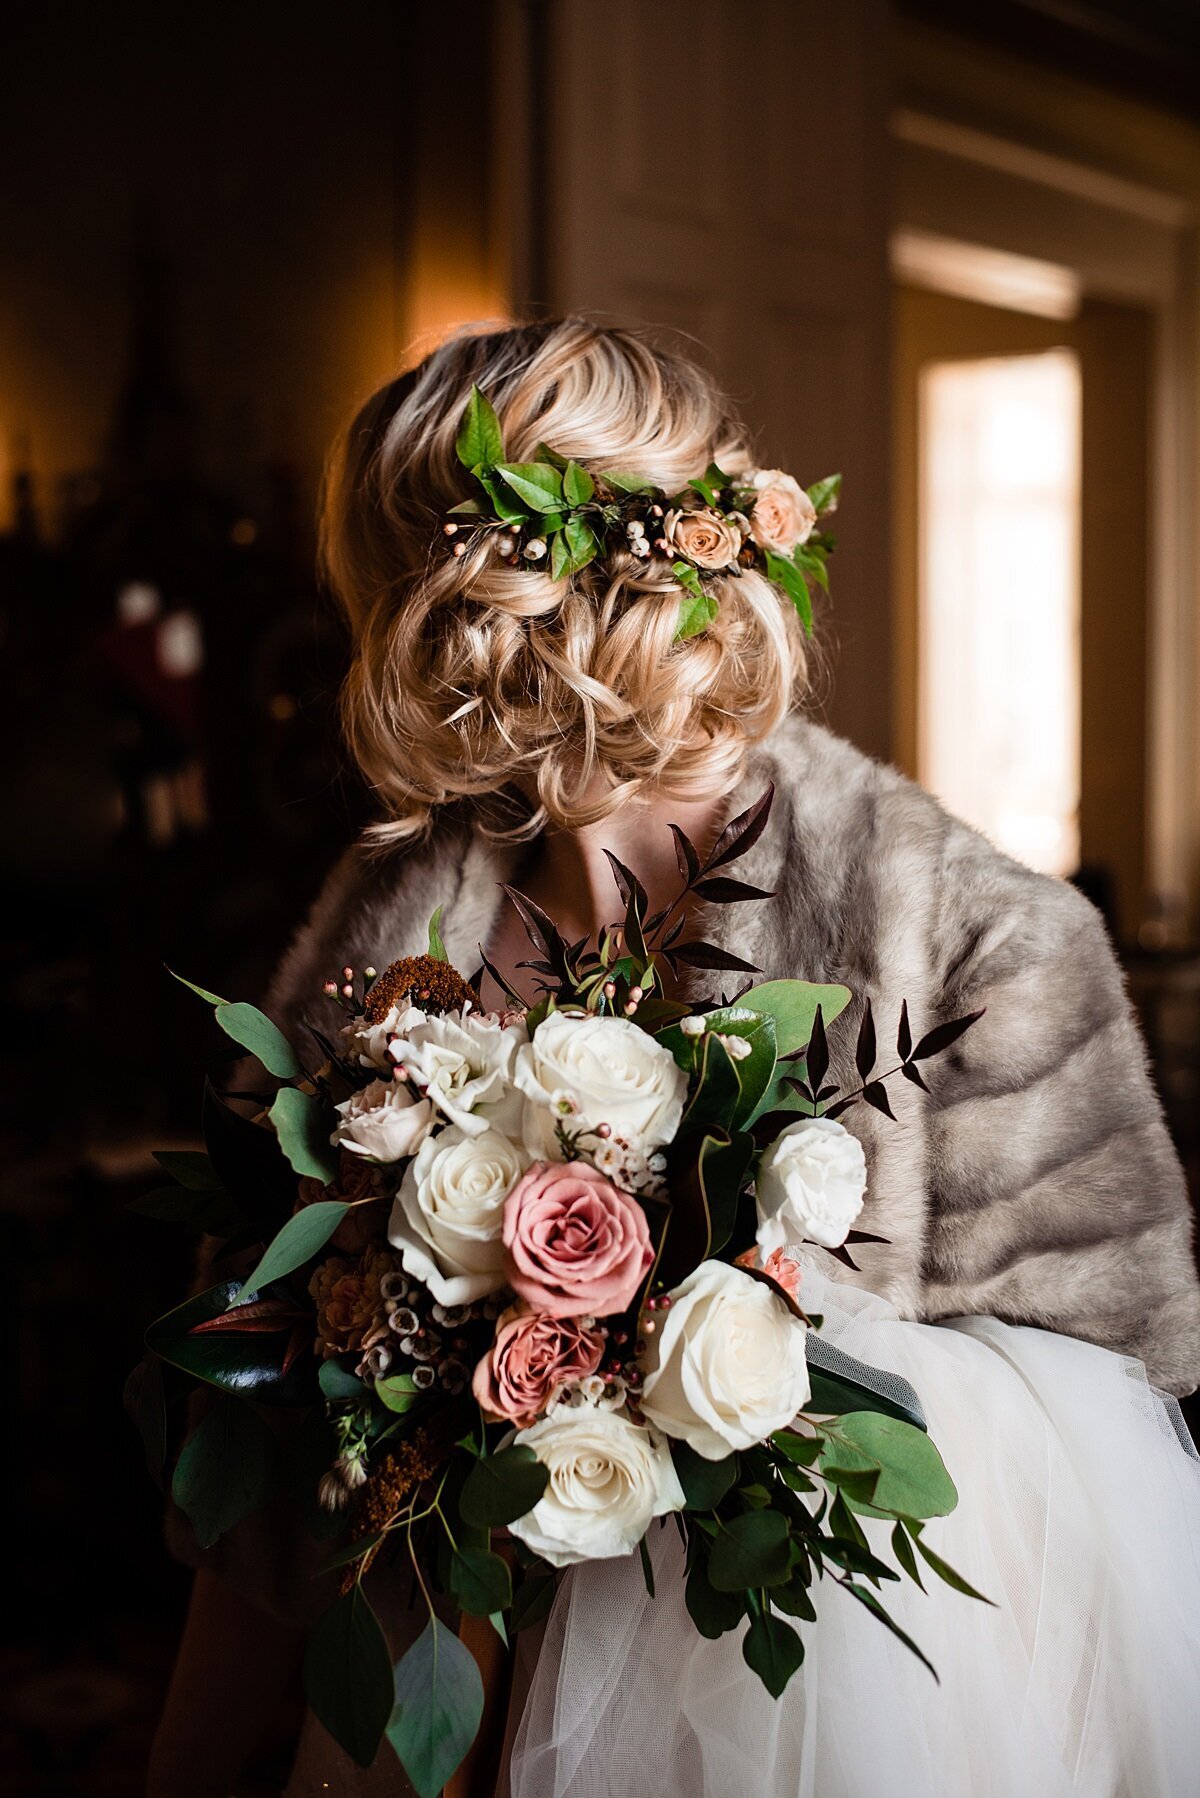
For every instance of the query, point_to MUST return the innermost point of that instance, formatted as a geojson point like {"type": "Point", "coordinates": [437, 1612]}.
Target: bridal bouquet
{"type": "Point", "coordinates": [534, 1273]}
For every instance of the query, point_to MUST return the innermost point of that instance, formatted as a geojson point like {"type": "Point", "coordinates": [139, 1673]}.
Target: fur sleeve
{"type": "Point", "coordinates": [1056, 1196]}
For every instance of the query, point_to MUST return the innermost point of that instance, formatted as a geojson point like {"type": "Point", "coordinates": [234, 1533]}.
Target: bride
{"type": "Point", "coordinates": [1035, 1280]}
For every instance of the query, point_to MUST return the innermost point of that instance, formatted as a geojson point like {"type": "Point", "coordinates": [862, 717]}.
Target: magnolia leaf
{"type": "Point", "coordinates": [250, 1362]}
{"type": "Point", "coordinates": [913, 1481]}
{"type": "Point", "coordinates": [303, 1234]}
{"type": "Point", "coordinates": [437, 948]}
{"type": "Point", "coordinates": [577, 485]}
{"type": "Point", "coordinates": [438, 1704]}
{"type": "Point", "coordinates": [697, 610]}
{"type": "Point", "coordinates": [397, 1391]}
{"type": "Point", "coordinates": [480, 1581]}
{"type": "Point", "coordinates": [479, 443]}
{"type": "Point", "coordinates": [751, 1550]}
{"type": "Point", "coordinates": [348, 1676]}
{"type": "Point", "coordinates": [225, 1470]}
{"type": "Point", "coordinates": [538, 484]}
{"type": "Point", "coordinates": [756, 1070]}
{"type": "Point", "coordinates": [502, 1487]}
{"type": "Point", "coordinates": [302, 1126]}
{"type": "Point", "coordinates": [255, 1031]}
{"type": "Point", "coordinates": [627, 483]}
{"type": "Point", "coordinates": [772, 1649]}
{"type": "Point", "coordinates": [824, 494]}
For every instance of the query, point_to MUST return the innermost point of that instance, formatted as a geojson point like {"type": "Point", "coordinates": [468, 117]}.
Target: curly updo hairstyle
{"type": "Point", "coordinates": [470, 676]}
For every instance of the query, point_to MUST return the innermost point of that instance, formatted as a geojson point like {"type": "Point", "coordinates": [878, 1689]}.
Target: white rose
{"type": "Point", "coordinates": [585, 1071]}
{"type": "Point", "coordinates": [810, 1185]}
{"type": "Point", "coordinates": [366, 1044]}
{"type": "Point", "coordinates": [609, 1478]}
{"type": "Point", "coordinates": [728, 1364]}
{"type": "Point", "coordinates": [447, 1215]}
{"type": "Point", "coordinates": [385, 1122]}
{"type": "Point", "coordinates": [783, 515]}
{"type": "Point", "coordinates": [463, 1062]}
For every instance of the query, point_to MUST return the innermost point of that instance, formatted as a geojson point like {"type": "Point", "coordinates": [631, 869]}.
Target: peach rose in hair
{"type": "Point", "coordinates": [783, 515]}
{"type": "Point", "coordinates": [703, 537]}
{"type": "Point", "coordinates": [532, 1356]}
{"type": "Point", "coordinates": [576, 1243]}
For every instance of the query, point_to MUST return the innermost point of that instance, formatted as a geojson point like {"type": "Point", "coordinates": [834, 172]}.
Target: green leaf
{"type": "Point", "coordinates": [945, 1572]}
{"type": "Point", "coordinates": [696, 612]}
{"type": "Point", "coordinates": [627, 483]}
{"type": "Point", "coordinates": [902, 1549]}
{"type": "Point", "coordinates": [145, 1405]}
{"type": "Point", "coordinates": [755, 1071]}
{"type": "Point", "coordinates": [437, 948]}
{"type": "Point", "coordinates": [784, 572]}
{"type": "Point", "coordinates": [348, 1676]}
{"type": "Point", "coordinates": [438, 1704]}
{"type": "Point", "coordinates": [793, 1005]}
{"type": "Point", "coordinates": [704, 1482]}
{"type": "Point", "coordinates": [714, 1613]}
{"type": "Point", "coordinates": [581, 541]}
{"type": "Point", "coordinates": [772, 1649]}
{"type": "Point", "coordinates": [868, 1598]}
{"type": "Point", "coordinates": [479, 443]}
{"type": "Point", "coordinates": [480, 1581]}
{"type": "Point", "coordinates": [303, 1234]}
{"type": "Point", "coordinates": [340, 1385]}
{"type": "Point", "coordinates": [255, 1031]}
{"type": "Point", "coordinates": [397, 1391]}
{"type": "Point", "coordinates": [751, 1550]}
{"type": "Point", "coordinates": [804, 1450]}
{"type": "Point", "coordinates": [466, 508]}
{"type": "Point", "coordinates": [502, 1487]}
{"type": "Point", "coordinates": [716, 476]}
{"type": "Point", "coordinates": [913, 1481]}
{"type": "Point", "coordinates": [812, 561]}
{"type": "Point", "coordinates": [538, 484]}
{"type": "Point", "coordinates": [496, 1619]}
{"type": "Point", "coordinates": [795, 1598]}
{"type": "Point", "coordinates": [824, 494]}
{"type": "Point", "coordinates": [190, 1168]}
{"type": "Point", "coordinates": [577, 485]}
{"type": "Point", "coordinates": [647, 1567]}
{"type": "Point", "coordinates": [211, 1213]}
{"type": "Point", "coordinates": [835, 1395]}
{"type": "Point", "coordinates": [560, 556]}
{"type": "Point", "coordinates": [504, 505]}
{"type": "Point", "coordinates": [248, 1362]}
{"type": "Point", "coordinates": [211, 998]}
{"type": "Point", "coordinates": [351, 1552]}
{"type": "Point", "coordinates": [533, 1599]}
{"type": "Point", "coordinates": [225, 1471]}
{"type": "Point", "coordinates": [302, 1125]}
{"type": "Point", "coordinates": [689, 580]}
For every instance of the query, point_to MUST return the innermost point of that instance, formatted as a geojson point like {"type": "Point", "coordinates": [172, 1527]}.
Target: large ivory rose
{"type": "Point", "coordinates": [384, 1121]}
{"type": "Point", "coordinates": [584, 1071]}
{"type": "Point", "coordinates": [703, 537]}
{"type": "Point", "coordinates": [449, 1213]}
{"type": "Point", "coordinates": [577, 1245]}
{"type": "Point", "coordinates": [783, 515]}
{"type": "Point", "coordinates": [727, 1365]}
{"type": "Point", "coordinates": [810, 1185]}
{"type": "Point", "coordinates": [609, 1478]}
{"type": "Point", "coordinates": [462, 1061]}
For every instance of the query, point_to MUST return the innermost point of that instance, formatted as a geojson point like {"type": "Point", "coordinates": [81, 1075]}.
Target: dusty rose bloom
{"type": "Point", "coordinates": [778, 1267]}
{"type": "Point", "coordinates": [531, 1357]}
{"type": "Point", "coordinates": [576, 1243]}
{"type": "Point", "coordinates": [703, 537]}
{"type": "Point", "coordinates": [349, 1303]}
{"type": "Point", "coordinates": [783, 515]}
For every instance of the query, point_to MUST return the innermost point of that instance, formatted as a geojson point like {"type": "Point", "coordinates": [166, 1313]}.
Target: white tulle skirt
{"type": "Point", "coordinates": [1079, 1515]}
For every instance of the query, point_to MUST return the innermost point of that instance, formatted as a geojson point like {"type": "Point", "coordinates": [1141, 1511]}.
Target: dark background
{"type": "Point", "coordinates": [212, 226]}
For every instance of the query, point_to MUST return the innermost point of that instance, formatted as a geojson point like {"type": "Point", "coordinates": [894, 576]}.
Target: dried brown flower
{"type": "Point", "coordinates": [350, 1305]}
{"type": "Point", "coordinates": [420, 980]}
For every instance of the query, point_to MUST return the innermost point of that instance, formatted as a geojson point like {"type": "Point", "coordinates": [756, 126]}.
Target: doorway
{"type": "Point", "coordinates": [1021, 560]}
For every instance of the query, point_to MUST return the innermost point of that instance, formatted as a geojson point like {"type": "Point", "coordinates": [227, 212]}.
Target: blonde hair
{"type": "Point", "coordinates": [469, 676]}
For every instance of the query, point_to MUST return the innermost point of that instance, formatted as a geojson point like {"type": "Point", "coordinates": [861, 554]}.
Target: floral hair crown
{"type": "Point", "coordinates": [717, 526]}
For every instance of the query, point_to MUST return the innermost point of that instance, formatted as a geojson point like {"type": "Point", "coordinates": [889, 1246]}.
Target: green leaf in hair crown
{"type": "Point", "coordinates": [558, 517]}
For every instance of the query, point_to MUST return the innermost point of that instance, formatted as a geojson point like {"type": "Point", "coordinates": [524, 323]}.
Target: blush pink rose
{"type": "Point", "coordinates": [576, 1243]}
{"type": "Point", "coordinates": [532, 1356]}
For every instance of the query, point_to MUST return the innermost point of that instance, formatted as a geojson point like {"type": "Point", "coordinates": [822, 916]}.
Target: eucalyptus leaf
{"type": "Point", "coordinates": [772, 1649]}
{"type": "Point", "coordinates": [438, 1705]}
{"type": "Point", "coordinates": [211, 998]}
{"type": "Point", "coordinates": [704, 1482]}
{"type": "Point", "coordinates": [532, 1600]}
{"type": "Point", "coordinates": [302, 1125]}
{"type": "Point", "coordinates": [479, 443]}
{"type": "Point", "coordinates": [502, 1487]}
{"type": "Point", "coordinates": [348, 1676]}
{"type": "Point", "coordinates": [255, 1031]}
{"type": "Point", "coordinates": [397, 1391]}
{"type": "Point", "coordinates": [303, 1234]}
{"type": "Point", "coordinates": [340, 1385]}
{"type": "Point", "coordinates": [793, 1004]}
{"type": "Point", "coordinates": [226, 1469]}
{"type": "Point", "coordinates": [751, 1550]}
{"type": "Point", "coordinates": [713, 1612]}
{"type": "Point", "coordinates": [913, 1480]}
{"type": "Point", "coordinates": [480, 1581]}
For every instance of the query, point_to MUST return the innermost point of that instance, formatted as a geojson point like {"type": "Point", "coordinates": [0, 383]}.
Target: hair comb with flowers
{"type": "Point", "coordinates": [555, 511]}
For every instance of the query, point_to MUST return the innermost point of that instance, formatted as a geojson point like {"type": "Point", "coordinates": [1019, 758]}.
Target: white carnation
{"type": "Point", "coordinates": [727, 1365]}
{"type": "Point", "coordinates": [463, 1062]}
{"type": "Point", "coordinates": [384, 1122]}
{"type": "Point", "coordinates": [810, 1185]}
{"type": "Point", "coordinates": [609, 1478]}
{"type": "Point", "coordinates": [366, 1044]}
{"type": "Point", "coordinates": [447, 1216]}
{"type": "Point", "coordinates": [584, 1071]}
